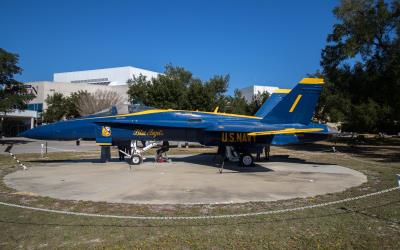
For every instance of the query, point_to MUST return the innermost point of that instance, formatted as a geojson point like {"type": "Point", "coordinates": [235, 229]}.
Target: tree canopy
{"type": "Point", "coordinates": [177, 88]}
{"type": "Point", "coordinates": [361, 65]}
{"type": "Point", "coordinates": [13, 94]}
{"type": "Point", "coordinates": [77, 104]}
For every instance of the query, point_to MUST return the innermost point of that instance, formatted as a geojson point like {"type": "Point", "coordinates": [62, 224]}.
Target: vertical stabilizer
{"type": "Point", "coordinates": [299, 105]}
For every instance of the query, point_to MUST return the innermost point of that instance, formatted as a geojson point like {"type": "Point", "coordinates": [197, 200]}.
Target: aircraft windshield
{"type": "Point", "coordinates": [138, 107]}
{"type": "Point", "coordinates": [121, 110]}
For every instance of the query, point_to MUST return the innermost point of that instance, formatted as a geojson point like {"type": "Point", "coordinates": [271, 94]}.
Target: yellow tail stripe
{"type": "Point", "coordinates": [281, 91]}
{"type": "Point", "coordinates": [312, 81]}
{"type": "Point", "coordinates": [295, 103]}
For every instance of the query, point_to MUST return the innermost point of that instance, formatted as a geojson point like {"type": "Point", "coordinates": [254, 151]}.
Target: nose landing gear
{"type": "Point", "coordinates": [135, 159]}
{"type": "Point", "coordinates": [136, 154]}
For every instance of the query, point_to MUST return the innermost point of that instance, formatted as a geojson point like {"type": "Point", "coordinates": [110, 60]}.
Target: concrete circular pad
{"type": "Point", "coordinates": [187, 180]}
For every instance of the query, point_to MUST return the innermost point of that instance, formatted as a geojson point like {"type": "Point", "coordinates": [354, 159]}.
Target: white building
{"type": "Point", "coordinates": [253, 90]}
{"type": "Point", "coordinates": [113, 79]}
{"type": "Point", "coordinates": [109, 76]}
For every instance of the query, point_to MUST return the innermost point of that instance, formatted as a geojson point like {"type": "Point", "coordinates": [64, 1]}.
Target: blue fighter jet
{"type": "Point", "coordinates": [285, 118]}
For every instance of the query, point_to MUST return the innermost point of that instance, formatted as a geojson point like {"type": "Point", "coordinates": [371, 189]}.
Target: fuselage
{"type": "Point", "coordinates": [207, 128]}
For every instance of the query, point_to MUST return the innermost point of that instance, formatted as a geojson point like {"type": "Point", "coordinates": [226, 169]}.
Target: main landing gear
{"type": "Point", "coordinates": [244, 158]}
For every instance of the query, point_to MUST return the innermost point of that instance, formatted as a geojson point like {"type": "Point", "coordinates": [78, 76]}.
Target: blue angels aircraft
{"type": "Point", "coordinates": [285, 118]}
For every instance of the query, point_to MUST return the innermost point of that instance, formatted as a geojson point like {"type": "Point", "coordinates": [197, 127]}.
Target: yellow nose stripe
{"type": "Point", "coordinates": [295, 103]}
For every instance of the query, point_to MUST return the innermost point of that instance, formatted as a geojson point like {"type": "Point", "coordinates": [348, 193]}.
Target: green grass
{"type": "Point", "coordinates": [368, 223]}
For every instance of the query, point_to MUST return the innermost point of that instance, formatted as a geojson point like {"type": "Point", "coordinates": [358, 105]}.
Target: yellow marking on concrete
{"type": "Point", "coordinates": [312, 81]}
{"type": "Point", "coordinates": [286, 131]}
{"type": "Point", "coordinates": [295, 103]}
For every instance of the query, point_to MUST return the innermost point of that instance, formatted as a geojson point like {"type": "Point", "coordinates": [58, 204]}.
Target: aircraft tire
{"type": "Point", "coordinates": [246, 160]}
{"type": "Point", "coordinates": [135, 159]}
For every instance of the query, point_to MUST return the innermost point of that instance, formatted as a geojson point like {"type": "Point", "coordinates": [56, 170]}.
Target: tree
{"type": "Point", "coordinates": [55, 108]}
{"type": "Point", "coordinates": [178, 89]}
{"type": "Point", "coordinates": [256, 102]}
{"type": "Point", "coordinates": [138, 88]}
{"type": "Point", "coordinates": [236, 104]}
{"type": "Point", "coordinates": [71, 103]}
{"type": "Point", "coordinates": [13, 94]}
{"type": "Point", "coordinates": [90, 103]}
{"type": "Point", "coordinates": [361, 64]}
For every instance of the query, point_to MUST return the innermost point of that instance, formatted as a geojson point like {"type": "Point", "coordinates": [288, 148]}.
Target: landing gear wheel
{"type": "Point", "coordinates": [246, 160]}
{"type": "Point", "coordinates": [135, 159]}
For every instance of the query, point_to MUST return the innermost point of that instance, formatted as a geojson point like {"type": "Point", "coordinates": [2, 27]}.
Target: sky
{"type": "Point", "coordinates": [256, 42]}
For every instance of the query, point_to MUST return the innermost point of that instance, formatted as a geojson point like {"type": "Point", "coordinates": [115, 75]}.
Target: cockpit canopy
{"type": "Point", "coordinates": [121, 109]}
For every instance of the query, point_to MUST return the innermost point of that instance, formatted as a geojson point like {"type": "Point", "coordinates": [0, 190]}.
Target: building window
{"type": "Point", "coordinates": [35, 107]}
{"type": "Point", "coordinates": [102, 81]}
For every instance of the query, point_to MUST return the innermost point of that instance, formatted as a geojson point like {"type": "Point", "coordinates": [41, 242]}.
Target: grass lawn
{"type": "Point", "coordinates": [367, 223]}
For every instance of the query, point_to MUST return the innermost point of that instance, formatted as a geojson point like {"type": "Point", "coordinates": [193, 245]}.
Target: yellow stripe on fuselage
{"type": "Point", "coordinates": [286, 131]}
{"type": "Point", "coordinates": [156, 111]}
{"type": "Point", "coordinates": [225, 114]}
{"type": "Point", "coordinates": [295, 103]}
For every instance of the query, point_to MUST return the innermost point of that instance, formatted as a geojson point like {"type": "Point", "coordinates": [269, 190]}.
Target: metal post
{"type": "Point", "coordinates": [42, 150]}
{"type": "Point", "coordinates": [398, 179]}
{"type": "Point", "coordinates": [32, 122]}
{"type": "Point", "coordinates": [133, 147]}
{"type": "Point", "coordinates": [2, 127]}
{"type": "Point", "coordinates": [46, 148]}
{"type": "Point", "coordinates": [222, 166]}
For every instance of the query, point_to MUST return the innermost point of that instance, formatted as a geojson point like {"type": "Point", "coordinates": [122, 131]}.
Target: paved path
{"type": "Point", "coordinates": [24, 145]}
{"type": "Point", "coordinates": [188, 179]}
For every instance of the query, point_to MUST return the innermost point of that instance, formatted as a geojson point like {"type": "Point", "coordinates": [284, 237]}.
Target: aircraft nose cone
{"type": "Point", "coordinates": [35, 133]}
{"type": "Point", "coordinates": [26, 133]}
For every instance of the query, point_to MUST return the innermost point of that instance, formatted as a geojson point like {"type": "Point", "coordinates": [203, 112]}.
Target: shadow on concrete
{"type": "Point", "coordinates": [209, 160]}
{"type": "Point", "coordinates": [289, 159]}
{"type": "Point", "coordinates": [204, 159]}
{"type": "Point", "coordinates": [14, 141]}
{"type": "Point", "coordinates": [92, 160]}
{"type": "Point", "coordinates": [379, 152]}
